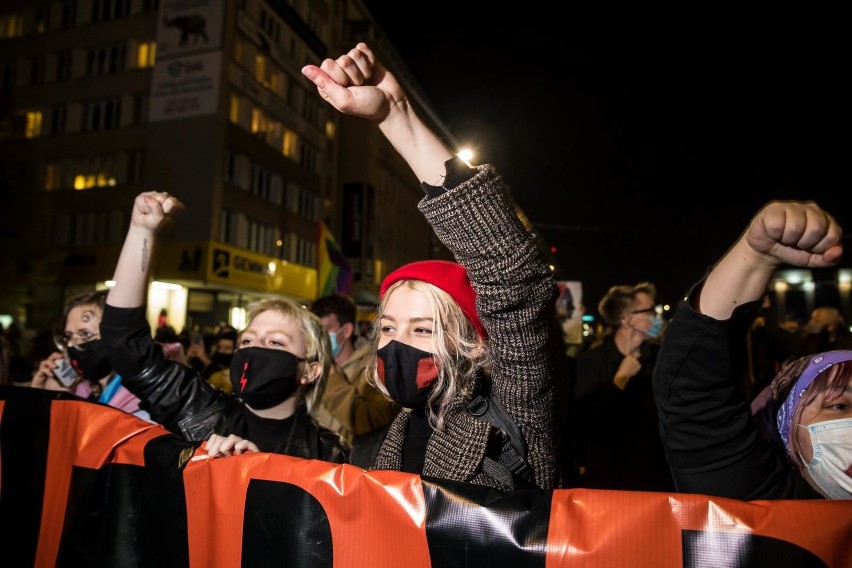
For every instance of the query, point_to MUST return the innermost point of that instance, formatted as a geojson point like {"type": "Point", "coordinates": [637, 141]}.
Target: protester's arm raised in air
{"type": "Point", "coordinates": [357, 85]}
{"type": "Point", "coordinates": [150, 210]}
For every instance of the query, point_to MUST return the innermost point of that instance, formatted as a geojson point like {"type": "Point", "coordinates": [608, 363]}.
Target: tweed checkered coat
{"type": "Point", "coordinates": [516, 294]}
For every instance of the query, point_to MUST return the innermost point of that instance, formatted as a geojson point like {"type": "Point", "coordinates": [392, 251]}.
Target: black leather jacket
{"type": "Point", "coordinates": [177, 397]}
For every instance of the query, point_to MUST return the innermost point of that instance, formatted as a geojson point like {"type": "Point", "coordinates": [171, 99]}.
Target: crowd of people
{"type": "Point", "coordinates": [465, 363]}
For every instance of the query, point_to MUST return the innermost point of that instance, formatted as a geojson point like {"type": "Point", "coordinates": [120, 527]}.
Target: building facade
{"type": "Point", "coordinates": [103, 99]}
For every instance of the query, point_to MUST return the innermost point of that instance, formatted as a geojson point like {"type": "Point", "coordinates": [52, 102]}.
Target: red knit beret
{"type": "Point", "coordinates": [450, 277]}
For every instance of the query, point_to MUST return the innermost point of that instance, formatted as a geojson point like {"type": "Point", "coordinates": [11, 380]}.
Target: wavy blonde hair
{"type": "Point", "coordinates": [317, 342]}
{"type": "Point", "coordinates": [460, 351]}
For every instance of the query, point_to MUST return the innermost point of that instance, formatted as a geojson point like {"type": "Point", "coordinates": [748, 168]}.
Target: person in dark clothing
{"type": "Point", "coordinates": [277, 373]}
{"type": "Point", "coordinates": [714, 443]}
{"type": "Point", "coordinates": [618, 443]}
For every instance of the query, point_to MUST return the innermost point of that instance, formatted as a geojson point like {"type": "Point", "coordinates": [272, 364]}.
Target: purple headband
{"type": "Point", "coordinates": [816, 365]}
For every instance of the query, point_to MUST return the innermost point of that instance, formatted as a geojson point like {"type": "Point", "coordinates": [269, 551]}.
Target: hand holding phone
{"type": "Point", "coordinates": [65, 372]}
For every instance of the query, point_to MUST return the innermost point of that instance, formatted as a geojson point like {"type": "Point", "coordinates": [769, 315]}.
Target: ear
{"type": "Point", "coordinates": [346, 331]}
{"type": "Point", "coordinates": [313, 371]}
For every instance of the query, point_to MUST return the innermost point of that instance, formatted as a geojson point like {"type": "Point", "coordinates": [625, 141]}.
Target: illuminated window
{"type": "Point", "coordinates": [261, 70]}
{"type": "Point", "coordinates": [275, 82]}
{"type": "Point", "coordinates": [33, 126]}
{"type": "Point", "coordinates": [235, 109]}
{"type": "Point", "coordinates": [259, 121]}
{"type": "Point", "coordinates": [239, 50]}
{"type": "Point", "coordinates": [41, 17]}
{"type": "Point", "coordinates": [146, 54]}
{"type": "Point", "coordinates": [11, 25]}
{"type": "Point", "coordinates": [52, 176]}
{"type": "Point", "coordinates": [290, 147]}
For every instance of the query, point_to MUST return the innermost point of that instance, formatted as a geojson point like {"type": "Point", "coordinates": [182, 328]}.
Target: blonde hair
{"type": "Point", "coordinates": [317, 342]}
{"type": "Point", "coordinates": [459, 350]}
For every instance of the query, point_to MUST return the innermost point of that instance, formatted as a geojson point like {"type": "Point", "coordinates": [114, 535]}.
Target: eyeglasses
{"type": "Point", "coordinates": [652, 311]}
{"type": "Point", "coordinates": [78, 340]}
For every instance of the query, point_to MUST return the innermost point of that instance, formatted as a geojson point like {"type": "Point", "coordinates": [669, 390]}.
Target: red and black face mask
{"type": "Point", "coordinates": [407, 372]}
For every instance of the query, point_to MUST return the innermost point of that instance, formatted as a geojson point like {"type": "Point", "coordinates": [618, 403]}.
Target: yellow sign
{"type": "Point", "coordinates": [218, 263]}
{"type": "Point", "coordinates": [237, 267]}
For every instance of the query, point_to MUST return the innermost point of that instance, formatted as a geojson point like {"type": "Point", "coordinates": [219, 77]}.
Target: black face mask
{"type": "Point", "coordinates": [223, 359]}
{"type": "Point", "coordinates": [407, 372]}
{"type": "Point", "coordinates": [91, 362]}
{"type": "Point", "coordinates": [264, 377]}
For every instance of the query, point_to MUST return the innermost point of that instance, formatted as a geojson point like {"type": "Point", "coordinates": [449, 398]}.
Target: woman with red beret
{"type": "Point", "coordinates": [447, 332]}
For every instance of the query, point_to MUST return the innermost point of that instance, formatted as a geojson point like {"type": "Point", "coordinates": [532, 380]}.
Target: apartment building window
{"type": "Point", "coordinates": [37, 66]}
{"type": "Point", "coordinates": [291, 197]}
{"type": "Point", "coordinates": [306, 252]}
{"type": "Point", "coordinates": [11, 25]}
{"type": "Point", "coordinates": [63, 66]}
{"type": "Point", "coordinates": [32, 124]}
{"type": "Point", "coordinates": [134, 166]}
{"type": "Point", "coordinates": [52, 176]}
{"type": "Point", "coordinates": [96, 172]}
{"type": "Point", "coordinates": [259, 121]}
{"type": "Point", "coordinates": [68, 14]}
{"type": "Point", "coordinates": [309, 206]}
{"type": "Point", "coordinates": [233, 228]}
{"type": "Point", "coordinates": [140, 108]}
{"type": "Point", "coordinates": [270, 25]}
{"type": "Point", "coordinates": [278, 83]}
{"type": "Point", "coordinates": [58, 119]}
{"type": "Point", "coordinates": [103, 10]}
{"type": "Point", "coordinates": [234, 111]}
{"type": "Point", "coordinates": [239, 51]}
{"type": "Point", "coordinates": [261, 70]}
{"type": "Point", "coordinates": [146, 54]}
{"type": "Point", "coordinates": [290, 144]}
{"type": "Point", "coordinates": [101, 114]}
{"type": "Point", "coordinates": [6, 75]}
{"type": "Point", "coordinates": [42, 14]}
{"type": "Point", "coordinates": [313, 112]}
{"type": "Point", "coordinates": [309, 158]}
{"type": "Point", "coordinates": [106, 60]}
{"type": "Point", "coordinates": [275, 135]}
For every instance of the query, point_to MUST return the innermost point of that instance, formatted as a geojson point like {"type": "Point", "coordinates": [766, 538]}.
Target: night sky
{"type": "Point", "coordinates": [640, 144]}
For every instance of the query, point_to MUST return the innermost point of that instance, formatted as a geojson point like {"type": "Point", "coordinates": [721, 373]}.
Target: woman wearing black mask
{"type": "Point", "coordinates": [446, 331]}
{"type": "Point", "coordinates": [277, 372]}
{"type": "Point", "coordinates": [81, 365]}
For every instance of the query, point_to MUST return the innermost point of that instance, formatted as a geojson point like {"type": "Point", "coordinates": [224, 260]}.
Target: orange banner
{"type": "Point", "coordinates": [153, 498]}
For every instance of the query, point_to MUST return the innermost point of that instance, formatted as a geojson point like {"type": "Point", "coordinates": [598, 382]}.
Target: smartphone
{"type": "Point", "coordinates": [65, 373]}
{"type": "Point", "coordinates": [198, 338]}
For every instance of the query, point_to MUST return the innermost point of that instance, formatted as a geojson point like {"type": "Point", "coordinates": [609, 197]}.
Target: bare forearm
{"type": "Point", "coordinates": [741, 276]}
{"type": "Point", "coordinates": [132, 270]}
{"type": "Point", "coordinates": [424, 152]}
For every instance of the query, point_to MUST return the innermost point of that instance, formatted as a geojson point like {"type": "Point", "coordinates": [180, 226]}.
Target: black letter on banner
{"type": "Point", "coordinates": [703, 549]}
{"type": "Point", "coordinates": [471, 525]}
{"type": "Point", "coordinates": [24, 434]}
{"type": "Point", "coordinates": [284, 525]}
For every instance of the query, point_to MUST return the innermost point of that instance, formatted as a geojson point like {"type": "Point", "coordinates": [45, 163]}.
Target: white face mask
{"type": "Point", "coordinates": [832, 444]}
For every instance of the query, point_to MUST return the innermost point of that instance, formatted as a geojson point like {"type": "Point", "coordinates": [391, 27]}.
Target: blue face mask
{"type": "Point", "coordinates": [335, 346]}
{"type": "Point", "coordinates": [656, 329]}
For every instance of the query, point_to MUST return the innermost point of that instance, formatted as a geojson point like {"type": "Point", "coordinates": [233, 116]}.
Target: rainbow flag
{"type": "Point", "coordinates": [335, 275]}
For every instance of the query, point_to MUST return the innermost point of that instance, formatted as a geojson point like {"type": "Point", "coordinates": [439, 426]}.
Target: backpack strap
{"type": "Point", "coordinates": [512, 451]}
{"type": "Point", "coordinates": [365, 449]}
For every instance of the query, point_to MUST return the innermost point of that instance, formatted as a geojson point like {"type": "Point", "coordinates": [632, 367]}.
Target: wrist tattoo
{"type": "Point", "coordinates": [144, 254]}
